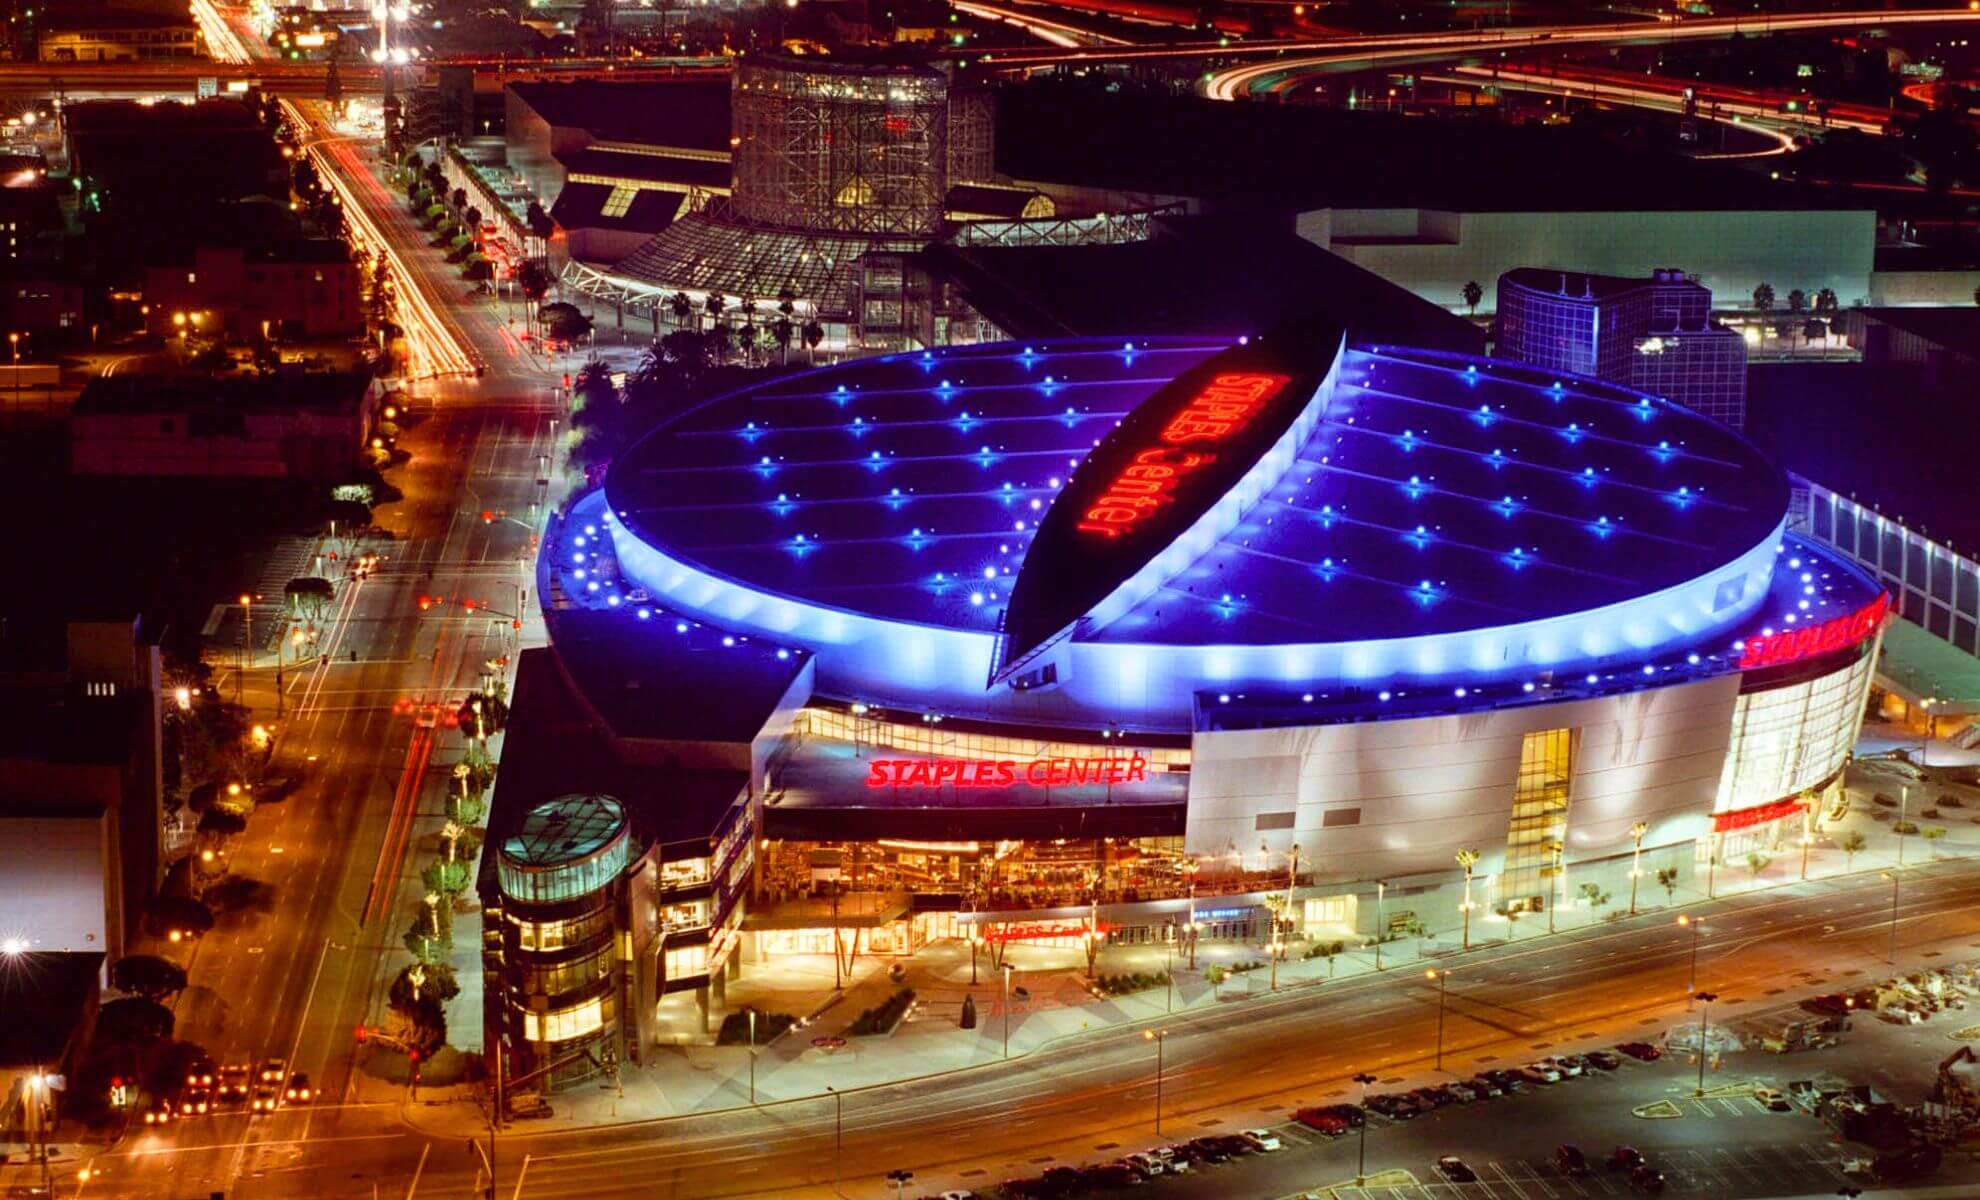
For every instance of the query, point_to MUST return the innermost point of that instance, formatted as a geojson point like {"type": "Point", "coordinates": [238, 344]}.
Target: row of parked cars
{"type": "Point", "coordinates": [1178, 1159]}
{"type": "Point", "coordinates": [235, 1087]}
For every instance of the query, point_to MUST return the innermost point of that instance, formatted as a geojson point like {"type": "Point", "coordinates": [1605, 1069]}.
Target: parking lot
{"type": "Point", "coordinates": [1725, 1145]}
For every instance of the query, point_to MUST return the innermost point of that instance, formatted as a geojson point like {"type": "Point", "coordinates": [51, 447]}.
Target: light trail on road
{"type": "Point", "coordinates": [1056, 33]}
{"type": "Point", "coordinates": [1237, 82]}
{"type": "Point", "coordinates": [433, 349]}
{"type": "Point", "coordinates": [221, 41]}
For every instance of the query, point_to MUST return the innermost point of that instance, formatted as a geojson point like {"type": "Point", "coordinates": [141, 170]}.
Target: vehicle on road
{"type": "Point", "coordinates": [196, 1100]}
{"type": "Point", "coordinates": [1570, 1160]}
{"type": "Point", "coordinates": [265, 1098]}
{"type": "Point", "coordinates": [1772, 1100]}
{"type": "Point", "coordinates": [231, 1092]}
{"type": "Point", "coordinates": [1602, 1060]}
{"type": "Point", "coordinates": [1640, 1051]}
{"type": "Point", "coordinates": [1451, 1167]}
{"type": "Point", "coordinates": [272, 1071]}
{"type": "Point", "coordinates": [1486, 1087]}
{"type": "Point", "coordinates": [1509, 1081]}
{"type": "Point", "coordinates": [1262, 1139]}
{"type": "Point", "coordinates": [1321, 1121]}
{"type": "Point", "coordinates": [1626, 1158]}
{"type": "Point", "coordinates": [159, 1113]}
{"type": "Point", "coordinates": [298, 1091]}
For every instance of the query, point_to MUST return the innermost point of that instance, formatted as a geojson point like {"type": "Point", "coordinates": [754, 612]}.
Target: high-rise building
{"type": "Point", "coordinates": [1655, 334]}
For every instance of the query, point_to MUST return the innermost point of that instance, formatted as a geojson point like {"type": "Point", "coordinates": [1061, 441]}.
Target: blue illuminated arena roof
{"type": "Point", "coordinates": [1437, 494]}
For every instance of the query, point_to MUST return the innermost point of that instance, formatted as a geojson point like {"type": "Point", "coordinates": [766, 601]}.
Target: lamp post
{"type": "Point", "coordinates": [247, 651]}
{"type": "Point", "coordinates": [1891, 955]}
{"type": "Point", "coordinates": [1189, 874]}
{"type": "Point", "coordinates": [1467, 859]}
{"type": "Point", "coordinates": [1169, 961]}
{"type": "Point", "coordinates": [1007, 1008]}
{"type": "Point", "coordinates": [1807, 835]}
{"type": "Point", "coordinates": [1636, 833]}
{"type": "Point", "coordinates": [1691, 987]}
{"type": "Point", "coordinates": [838, 1133]}
{"type": "Point", "coordinates": [1381, 926]}
{"type": "Point", "coordinates": [1560, 884]}
{"type": "Point", "coordinates": [1157, 1036]}
{"type": "Point", "coordinates": [1277, 949]}
{"type": "Point", "coordinates": [1704, 1028]}
{"type": "Point", "coordinates": [975, 943]}
{"type": "Point", "coordinates": [1361, 1153]}
{"type": "Point", "coordinates": [1904, 801]}
{"type": "Point", "coordinates": [752, 1056]}
{"type": "Point", "coordinates": [1442, 978]}
{"type": "Point", "coordinates": [1931, 722]}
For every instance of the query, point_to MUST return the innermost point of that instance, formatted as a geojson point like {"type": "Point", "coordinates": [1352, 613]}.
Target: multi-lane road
{"type": "Point", "coordinates": [1093, 1098]}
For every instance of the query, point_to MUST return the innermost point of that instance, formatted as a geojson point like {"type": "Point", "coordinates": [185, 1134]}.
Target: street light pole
{"type": "Point", "coordinates": [1442, 977]}
{"type": "Point", "coordinates": [1691, 988]}
{"type": "Point", "coordinates": [1467, 859]}
{"type": "Point", "coordinates": [1704, 1028]}
{"type": "Point", "coordinates": [1157, 1036]}
{"type": "Point", "coordinates": [1891, 955]}
{"type": "Point", "coordinates": [838, 1133]}
{"type": "Point", "coordinates": [1381, 927]}
{"type": "Point", "coordinates": [1904, 800]}
{"type": "Point", "coordinates": [1636, 832]}
{"type": "Point", "coordinates": [1361, 1153]}
{"type": "Point", "coordinates": [752, 1056]}
{"type": "Point", "coordinates": [247, 656]}
{"type": "Point", "coordinates": [1007, 1007]}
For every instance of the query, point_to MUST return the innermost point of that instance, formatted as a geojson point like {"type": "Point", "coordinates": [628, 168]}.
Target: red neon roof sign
{"type": "Point", "coordinates": [1225, 405]}
{"type": "Point", "coordinates": [1793, 645]}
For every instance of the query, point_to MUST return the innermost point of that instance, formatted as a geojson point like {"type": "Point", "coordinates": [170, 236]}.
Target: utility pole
{"type": "Point", "coordinates": [1891, 955]}
{"type": "Point", "coordinates": [1442, 978]}
{"type": "Point", "coordinates": [1007, 1010]}
{"type": "Point", "coordinates": [1157, 1036]}
{"type": "Point", "coordinates": [247, 656]}
{"type": "Point", "coordinates": [752, 1056]}
{"type": "Point", "coordinates": [1636, 833]}
{"type": "Point", "coordinates": [1704, 1026]}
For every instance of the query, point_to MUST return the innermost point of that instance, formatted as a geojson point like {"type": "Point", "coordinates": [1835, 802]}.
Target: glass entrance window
{"type": "Point", "coordinates": [1538, 829]}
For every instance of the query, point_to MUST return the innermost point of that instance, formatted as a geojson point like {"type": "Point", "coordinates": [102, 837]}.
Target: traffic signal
{"type": "Point", "coordinates": [487, 516]}
{"type": "Point", "coordinates": [425, 602]}
{"type": "Point", "coordinates": [362, 1033]}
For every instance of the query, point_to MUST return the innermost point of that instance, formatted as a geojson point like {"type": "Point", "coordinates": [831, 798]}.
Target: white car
{"type": "Point", "coordinates": [957, 1194]}
{"type": "Point", "coordinates": [1146, 1165]}
{"type": "Point", "coordinates": [1567, 1070]}
{"type": "Point", "coordinates": [1262, 1139]}
{"type": "Point", "coordinates": [1170, 1162]}
{"type": "Point", "coordinates": [1546, 1071]}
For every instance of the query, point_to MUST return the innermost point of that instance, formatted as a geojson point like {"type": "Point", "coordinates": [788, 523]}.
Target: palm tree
{"type": "Point", "coordinates": [787, 302]}
{"type": "Point", "coordinates": [1763, 298]}
{"type": "Point", "coordinates": [715, 303]}
{"type": "Point", "coordinates": [1797, 300]}
{"type": "Point", "coordinates": [781, 331]}
{"type": "Point", "coordinates": [1826, 303]}
{"type": "Point", "coordinates": [682, 308]}
{"type": "Point", "coordinates": [813, 333]}
{"type": "Point", "coordinates": [1849, 843]}
{"type": "Point", "coordinates": [1472, 294]}
{"type": "Point", "coordinates": [1467, 859]}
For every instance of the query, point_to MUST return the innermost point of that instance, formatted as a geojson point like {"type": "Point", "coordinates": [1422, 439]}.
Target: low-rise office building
{"type": "Point", "coordinates": [289, 426]}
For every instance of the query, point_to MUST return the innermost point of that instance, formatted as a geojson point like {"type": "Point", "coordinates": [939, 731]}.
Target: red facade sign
{"type": "Point", "coordinates": [997, 774]}
{"type": "Point", "coordinates": [1225, 405]}
{"type": "Point", "coordinates": [1792, 645]}
{"type": "Point", "coordinates": [1759, 814]}
{"type": "Point", "coordinates": [1038, 932]}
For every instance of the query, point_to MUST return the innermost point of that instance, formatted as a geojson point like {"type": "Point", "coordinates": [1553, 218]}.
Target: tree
{"type": "Point", "coordinates": [1594, 895]}
{"type": "Point", "coordinates": [1850, 843]}
{"type": "Point", "coordinates": [459, 199]}
{"type": "Point", "coordinates": [1756, 862]}
{"type": "Point", "coordinates": [1826, 304]}
{"type": "Point", "coordinates": [1932, 833]}
{"type": "Point", "coordinates": [683, 307]}
{"type": "Point", "coordinates": [176, 918]}
{"type": "Point", "coordinates": [472, 218]}
{"type": "Point", "coordinates": [1667, 878]}
{"type": "Point", "coordinates": [148, 977]}
{"type": "Point", "coordinates": [781, 332]}
{"type": "Point", "coordinates": [533, 280]}
{"type": "Point", "coordinates": [715, 302]}
{"type": "Point", "coordinates": [432, 933]}
{"type": "Point", "coordinates": [134, 1019]}
{"type": "Point", "coordinates": [1797, 301]}
{"type": "Point", "coordinates": [563, 321]}
{"type": "Point", "coordinates": [220, 821]}
{"type": "Point", "coordinates": [1763, 298]}
{"type": "Point", "coordinates": [449, 879]}
{"type": "Point", "coordinates": [540, 223]}
{"type": "Point", "coordinates": [1472, 294]}
{"type": "Point", "coordinates": [482, 715]}
{"type": "Point", "coordinates": [309, 597]}
{"type": "Point", "coordinates": [814, 333]}
{"type": "Point", "coordinates": [418, 983]}
{"type": "Point", "coordinates": [421, 1026]}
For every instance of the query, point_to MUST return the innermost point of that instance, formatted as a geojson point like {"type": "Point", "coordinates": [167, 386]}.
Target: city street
{"type": "Point", "coordinates": [1248, 1063]}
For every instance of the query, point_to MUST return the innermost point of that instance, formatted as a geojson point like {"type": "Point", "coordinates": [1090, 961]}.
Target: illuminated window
{"type": "Point", "coordinates": [565, 1023]}
{"type": "Point", "coordinates": [618, 201]}
{"type": "Point", "coordinates": [685, 872]}
{"type": "Point", "coordinates": [683, 961]}
{"type": "Point", "coordinates": [1539, 813]}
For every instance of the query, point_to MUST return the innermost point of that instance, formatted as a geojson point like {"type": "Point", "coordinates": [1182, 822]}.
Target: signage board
{"type": "Point", "coordinates": [989, 774]}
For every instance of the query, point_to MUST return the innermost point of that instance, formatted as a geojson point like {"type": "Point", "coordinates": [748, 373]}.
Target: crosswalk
{"type": "Point", "coordinates": [1746, 1169]}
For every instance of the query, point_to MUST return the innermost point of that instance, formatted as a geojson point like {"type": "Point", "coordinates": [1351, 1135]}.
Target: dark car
{"type": "Point", "coordinates": [1112, 1175]}
{"type": "Point", "coordinates": [1233, 1145]}
{"type": "Point", "coordinates": [1602, 1060]}
{"type": "Point", "coordinates": [1487, 1087]}
{"type": "Point", "coordinates": [1392, 1106]}
{"type": "Point", "coordinates": [1429, 1098]}
{"type": "Point", "coordinates": [1570, 1160]}
{"type": "Point", "coordinates": [1351, 1113]}
{"type": "Point", "coordinates": [1063, 1181]}
{"type": "Point", "coordinates": [1022, 1189]}
{"type": "Point", "coordinates": [1912, 1162]}
{"type": "Point", "coordinates": [1640, 1051]}
{"type": "Point", "coordinates": [1508, 1081]}
{"type": "Point", "coordinates": [1647, 1178]}
{"type": "Point", "coordinates": [1207, 1149]}
{"type": "Point", "coordinates": [1452, 1168]}
{"type": "Point", "coordinates": [1626, 1158]}
{"type": "Point", "coordinates": [1834, 1002]}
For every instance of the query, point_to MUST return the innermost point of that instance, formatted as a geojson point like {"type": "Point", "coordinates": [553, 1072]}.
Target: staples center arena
{"type": "Point", "coordinates": [1030, 642]}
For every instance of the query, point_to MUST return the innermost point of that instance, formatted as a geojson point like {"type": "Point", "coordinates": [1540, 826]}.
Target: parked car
{"type": "Point", "coordinates": [1392, 1106]}
{"type": "Point", "coordinates": [1536, 1073]}
{"type": "Point", "coordinates": [1351, 1113]}
{"type": "Point", "coordinates": [1427, 1099]}
{"type": "Point", "coordinates": [1509, 1081]}
{"type": "Point", "coordinates": [1063, 1181]}
{"type": "Point", "coordinates": [1209, 1149]}
{"type": "Point", "coordinates": [1646, 1178]}
{"type": "Point", "coordinates": [1625, 1158]}
{"type": "Point", "coordinates": [1262, 1139]}
{"type": "Point", "coordinates": [1485, 1086]}
{"type": "Point", "coordinates": [1575, 1064]}
{"type": "Point", "coordinates": [1570, 1160]}
{"type": "Point", "coordinates": [1560, 1066]}
{"type": "Point", "coordinates": [1111, 1175]}
{"type": "Point", "coordinates": [1235, 1144]}
{"type": "Point", "coordinates": [1452, 1168]}
{"type": "Point", "coordinates": [1147, 1165]}
{"type": "Point", "coordinates": [1772, 1100]}
{"type": "Point", "coordinates": [1174, 1159]}
{"type": "Point", "coordinates": [1640, 1051]}
{"type": "Point", "coordinates": [1321, 1121]}
{"type": "Point", "coordinates": [1463, 1092]}
{"type": "Point", "coordinates": [1602, 1060]}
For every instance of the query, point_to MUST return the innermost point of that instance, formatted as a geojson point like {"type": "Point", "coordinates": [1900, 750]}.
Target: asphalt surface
{"type": "Point", "coordinates": [1250, 1063]}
